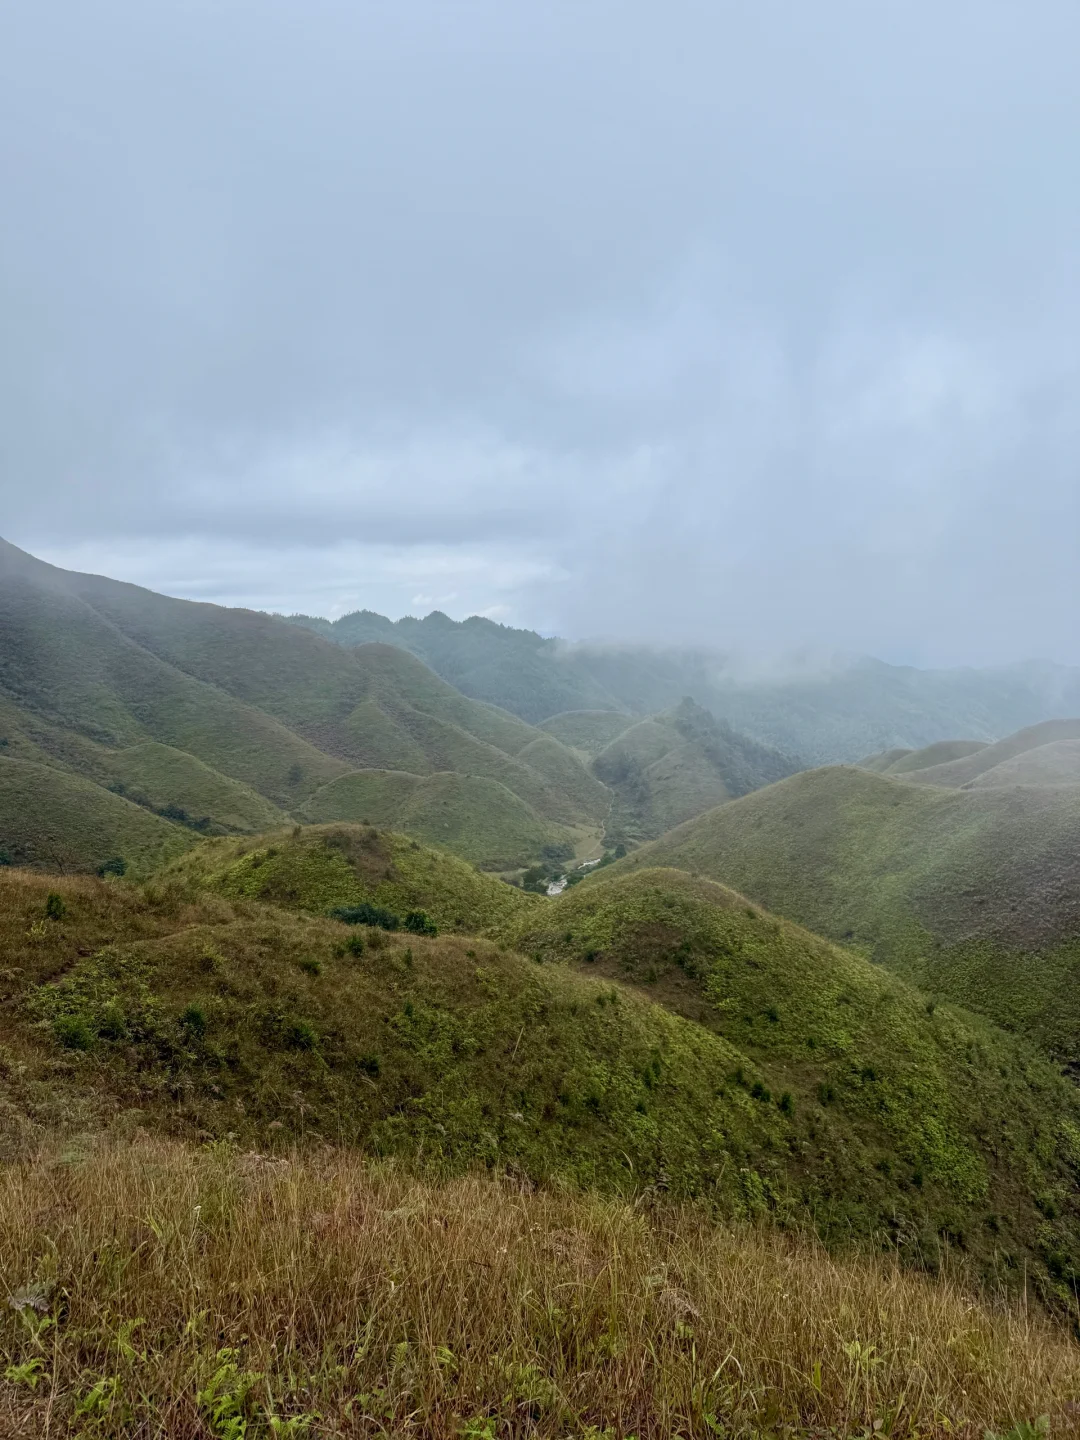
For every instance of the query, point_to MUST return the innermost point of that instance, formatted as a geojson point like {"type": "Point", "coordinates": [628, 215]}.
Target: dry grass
{"type": "Point", "coordinates": [161, 1291]}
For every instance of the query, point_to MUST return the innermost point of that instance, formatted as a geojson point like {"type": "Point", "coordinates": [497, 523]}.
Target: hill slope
{"type": "Point", "coordinates": [837, 713]}
{"type": "Point", "coordinates": [949, 887]}
{"type": "Point", "coordinates": [965, 770]}
{"type": "Point", "coordinates": [213, 1014]}
{"type": "Point", "coordinates": [478, 819]}
{"type": "Point", "coordinates": [667, 768]}
{"type": "Point", "coordinates": [57, 820]}
{"type": "Point", "coordinates": [317, 868]}
{"type": "Point", "coordinates": [96, 676]}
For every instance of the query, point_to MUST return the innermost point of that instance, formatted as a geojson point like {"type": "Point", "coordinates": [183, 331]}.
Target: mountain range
{"type": "Point", "coordinates": [832, 1005]}
{"type": "Point", "coordinates": [822, 714]}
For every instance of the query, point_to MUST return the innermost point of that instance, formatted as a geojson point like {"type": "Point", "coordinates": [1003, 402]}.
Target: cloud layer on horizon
{"type": "Point", "coordinates": [752, 326]}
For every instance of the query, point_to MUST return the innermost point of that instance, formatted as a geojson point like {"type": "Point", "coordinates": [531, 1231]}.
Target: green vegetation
{"type": "Point", "coordinates": [178, 785]}
{"type": "Point", "coordinates": [970, 893]}
{"type": "Point", "coordinates": [587, 731]}
{"type": "Point", "coordinates": [884, 1098]}
{"type": "Point", "coordinates": [829, 714]}
{"type": "Point", "coordinates": [1022, 758]}
{"type": "Point", "coordinates": [761, 1071]}
{"type": "Point", "coordinates": [60, 821]}
{"type": "Point", "coordinates": [663, 770]}
{"type": "Point", "coordinates": [942, 753]}
{"type": "Point", "coordinates": [478, 819]}
{"type": "Point", "coordinates": [322, 868]}
{"type": "Point", "coordinates": [230, 721]}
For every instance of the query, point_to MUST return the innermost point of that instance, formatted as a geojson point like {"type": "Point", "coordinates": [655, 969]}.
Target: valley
{"type": "Point", "coordinates": [345, 957]}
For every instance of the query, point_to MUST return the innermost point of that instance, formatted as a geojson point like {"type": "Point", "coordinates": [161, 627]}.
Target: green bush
{"type": "Point", "coordinates": [116, 866]}
{"type": "Point", "coordinates": [74, 1032]}
{"type": "Point", "coordinates": [301, 1035]}
{"type": "Point", "coordinates": [418, 922]}
{"type": "Point", "coordinates": [366, 914]}
{"type": "Point", "coordinates": [193, 1020]}
{"type": "Point", "coordinates": [55, 909]}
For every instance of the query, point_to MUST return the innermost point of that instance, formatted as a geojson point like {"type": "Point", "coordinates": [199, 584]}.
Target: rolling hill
{"type": "Point", "coordinates": [658, 1034]}
{"type": "Point", "coordinates": [824, 714]}
{"type": "Point", "coordinates": [53, 818]}
{"type": "Point", "coordinates": [1026, 752]}
{"type": "Point", "coordinates": [665, 769]}
{"type": "Point", "coordinates": [479, 819]}
{"type": "Point", "coordinates": [233, 721]}
{"type": "Point", "coordinates": [317, 868]}
{"type": "Point", "coordinates": [973, 893]}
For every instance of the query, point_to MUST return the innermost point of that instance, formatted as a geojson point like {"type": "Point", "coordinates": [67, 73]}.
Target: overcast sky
{"type": "Point", "coordinates": [755, 324]}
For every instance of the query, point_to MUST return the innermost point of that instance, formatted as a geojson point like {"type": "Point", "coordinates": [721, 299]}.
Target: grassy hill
{"type": "Point", "coordinates": [665, 769]}
{"type": "Point", "coordinates": [972, 893]}
{"type": "Point", "coordinates": [165, 779]}
{"type": "Point", "coordinates": [981, 763]}
{"type": "Point", "coordinates": [317, 868]}
{"type": "Point", "coordinates": [1057, 763]}
{"type": "Point", "coordinates": [118, 685]}
{"type": "Point", "coordinates": [835, 712]}
{"type": "Point", "coordinates": [886, 1089]}
{"type": "Point", "coordinates": [478, 819]}
{"type": "Point", "coordinates": [759, 1070]}
{"type": "Point", "coordinates": [586, 731]}
{"type": "Point", "coordinates": [62, 822]}
{"type": "Point", "coordinates": [942, 753]}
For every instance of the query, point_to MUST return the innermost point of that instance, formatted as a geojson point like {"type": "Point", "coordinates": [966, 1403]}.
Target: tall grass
{"type": "Point", "coordinates": [157, 1290]}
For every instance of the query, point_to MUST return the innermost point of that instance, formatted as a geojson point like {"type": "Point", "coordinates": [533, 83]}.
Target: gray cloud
{"type": "Point", "coordinates": [747, 325]}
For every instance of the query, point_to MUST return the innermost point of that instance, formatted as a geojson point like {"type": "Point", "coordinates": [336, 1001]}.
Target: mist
{"type": "Point", "coordinates": [755, 328]}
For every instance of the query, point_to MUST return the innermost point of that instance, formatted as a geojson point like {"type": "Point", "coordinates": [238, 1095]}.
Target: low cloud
{"type": "Point", "coordinates": [749, 328]}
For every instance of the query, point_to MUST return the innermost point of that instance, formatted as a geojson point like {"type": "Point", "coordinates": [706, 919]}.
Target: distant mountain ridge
{"type": "Point", "coordinates": [855, 709]}
{"type": "Point", "coordinates": [187, 718]}
{"type": "Point", "coordinates": [131, 723]}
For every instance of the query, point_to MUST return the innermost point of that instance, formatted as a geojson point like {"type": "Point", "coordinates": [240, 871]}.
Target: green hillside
{"type": "Point", "coordinates": [165, 779]}
{"type": "Point", "coordinates": [665, 769]}
{"type": "Point", "coordinates": [966, 770]}
{"type": "Point", "coordinates": [1057, 763]}
{"type": "Point", "coordinates": [478, 819]}
{"type": "Point", "coordinates": [60, 821]}
{"type": "Point", "coordinates": [837, 711]}
{"type": "Point", "coordinates": [772, 1076]}
{"type": "Point", "coordinates": [586, 731]}
{"type": "Point", "coordinates": [318, 868]}
{"type": "Point", "coordinates": [885, 1089]}
{"type": "Point", "coordinates": [943, 753]}
{"type": "Point", "coordinates": [118, 685]}
{"type": "Point", "coordinates": [948, 887]}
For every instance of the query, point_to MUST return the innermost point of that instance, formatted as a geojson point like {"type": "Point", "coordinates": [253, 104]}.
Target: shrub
{"type": "Point", "coordinates": [193, 1020]}
{"type": "Point", "coordinates": [366, 914]}
{"type": "Point", "coordinates": [116, 866]}
{"type": "Point", "coordinates": [5, 857]}
{"type": "Point", "coordinates": [419, 922]}
{"type": "Point", "coordinates": [310, 965]}
{"type": "Point", "coordinates": [354, 945]}
{"type": "Point", "coordinates": [786, 1103]}
{"type": "Point", "coordinates": [73, 1031]}
{"type": "Point", "coordinates": [55, 909]}
{"type": "Point", "coordinates": [300, 1035]}
{"type": "Point", "coordinates": [113, 1024]}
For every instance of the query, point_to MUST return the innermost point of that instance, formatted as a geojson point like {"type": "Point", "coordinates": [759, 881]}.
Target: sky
{"type": "Point", "coordinates": [747, 325]}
